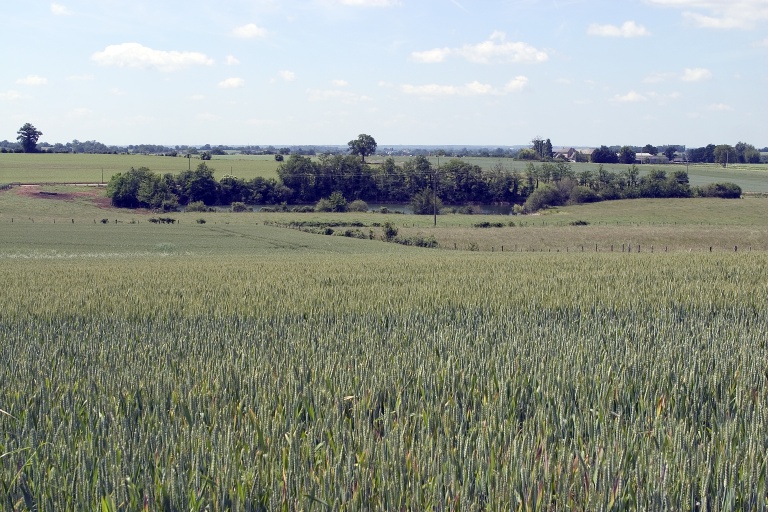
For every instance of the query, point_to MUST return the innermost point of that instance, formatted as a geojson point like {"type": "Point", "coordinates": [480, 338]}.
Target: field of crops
{"type": "Point", "coordinates": [293, 379]}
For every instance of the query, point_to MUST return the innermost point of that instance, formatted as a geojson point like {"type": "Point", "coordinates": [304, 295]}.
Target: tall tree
{"type": "Point", "coordinates": [28, 136]}
{"type": "Point", "coordinates": [725, 154]}
{"type": "Point", "coordinates": [653, 150]}
{"type": "Point", "coordinates": [627, 155]}
{"type": "Point", "coordinates": [669, 152]}
{"type": "Point", "coordinates": [364, 145]}
{"type": "Point", "coordinates": [605, 155]}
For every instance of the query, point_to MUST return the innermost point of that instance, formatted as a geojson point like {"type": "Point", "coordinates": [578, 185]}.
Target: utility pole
{"type": "Point", "coordinates": [434, 191]}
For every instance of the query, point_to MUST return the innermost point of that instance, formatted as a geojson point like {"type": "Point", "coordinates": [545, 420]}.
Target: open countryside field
{"type": "Point", "coordinates": [668, 225]}
{"type": "Point", "coordinates": [238, 365]}
{"type": "Point", "coordinates": [84, 168]}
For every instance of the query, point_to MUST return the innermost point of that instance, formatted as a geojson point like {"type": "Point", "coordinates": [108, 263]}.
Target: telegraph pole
{"type": "Point", "coordinates": [434, 191]}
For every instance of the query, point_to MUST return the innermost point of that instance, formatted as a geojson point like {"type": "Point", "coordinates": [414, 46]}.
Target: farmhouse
{"type": "Point", "coordinates": [568, 154]}
{"type": "Point", "coordinates": [647, 158]}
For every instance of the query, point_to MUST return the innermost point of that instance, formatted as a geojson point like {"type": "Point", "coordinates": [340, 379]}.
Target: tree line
{"type": "Point", "coordinates": [308, 181]}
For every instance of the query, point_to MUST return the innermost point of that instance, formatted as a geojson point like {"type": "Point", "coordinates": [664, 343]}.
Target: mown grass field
{"type": "Point", "coordinates": [234, 365]}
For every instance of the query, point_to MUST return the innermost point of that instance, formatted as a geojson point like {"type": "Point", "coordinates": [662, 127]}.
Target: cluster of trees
{"type": "Point", "coordinates": [567, 187]}
{"type": "Point", "coordinates": [332, 180]}
{"type": "Point", "coordinates": [142, 188]}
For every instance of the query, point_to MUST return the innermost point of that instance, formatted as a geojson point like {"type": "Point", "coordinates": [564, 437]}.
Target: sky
{"type": "Point", "coordinates": [408, 72]}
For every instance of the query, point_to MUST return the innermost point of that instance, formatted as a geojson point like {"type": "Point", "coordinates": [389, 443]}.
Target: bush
{"type": "Point", "coordinates": [721, 190]}
{"type": "Point", "coordinates": [543, 197]}
{"type": "Point", "coordinates": [198, 206]}
{"type": "Point", "coordinates": [323, 205]}
{"type": "Point", "coordinates": [358, 205]}
{"type": "Point", "coordinates": [390, 231]}
{"type": "Point", "coordinates": [239, 207]}
{"type": "Point", "coordinates": [200, 221]}
{"type": "Point", "coordinates": [583, 194]}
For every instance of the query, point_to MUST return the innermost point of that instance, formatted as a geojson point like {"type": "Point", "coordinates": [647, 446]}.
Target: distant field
{"type": "Point", "coordinates": [80, 168]}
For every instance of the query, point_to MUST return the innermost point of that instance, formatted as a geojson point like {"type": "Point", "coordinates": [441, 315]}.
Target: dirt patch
{"type": "Point", "coordinates": [95, 196]}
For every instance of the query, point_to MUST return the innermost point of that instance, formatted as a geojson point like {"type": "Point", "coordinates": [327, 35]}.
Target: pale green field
{"type": "Point", "coordinates": [80, 168]}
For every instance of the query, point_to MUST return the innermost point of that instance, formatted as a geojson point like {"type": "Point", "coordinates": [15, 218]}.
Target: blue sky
{"type": "Point", "coordinates": [466, 72]}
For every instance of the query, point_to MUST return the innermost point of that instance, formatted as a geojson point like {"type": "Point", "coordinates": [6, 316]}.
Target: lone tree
{"type": "Point", "coordinates": [27, 137]}
{"type": "Point", "coordinates": [364, 145]}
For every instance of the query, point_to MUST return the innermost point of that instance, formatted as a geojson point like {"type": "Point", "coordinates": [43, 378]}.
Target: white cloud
{"type": "Point", "coordinates": [231, 60]}
{"type": "Point", "coordinates": [723, 14]}
{"type": "Point", "coordinates": [340, 83]}
{"type": "Point", "coordinates": [431, 56]}
{"type": "Point", "coordinates": [232, 83]}
{"type": "Point", "coordinates": [60, 10]}
{"type": "Point", "coordinates": [516, 84]}
{"type": "Point", "coordinates": [32, 80]}
{"type": "Point", "coordinates": [496, 49]}
{"type": "Point", "coordinates": [471, 89]}
{"type": "Point", "coordinates": [135, 55]}
{"type": "Point", "coordinates": [197, 97]}
{"type": "Point", "coordinates": [11, 95]}
{"type": "Point", "coordinates": [249, 31]}
{"type": "Point", "coordinates": [630, 97]}
{"type": "Point", "coordinates": [695, 75]}
{"type": "Point", "coordinates": [720, 107]}
{"type": "Point", "coordinates": [288, 76]}
{"type": "Point", "coordinates": [627, 29]}
{"type": "Point", "coordinates": [764, 42]}
{"type": "Point", "coordinates": [80, 78]}
{"type": "Point", "coordinates": [336, 94]}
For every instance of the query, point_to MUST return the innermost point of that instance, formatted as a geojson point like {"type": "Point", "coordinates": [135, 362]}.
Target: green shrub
{"type": "Point", "coordinates": [358, 205]}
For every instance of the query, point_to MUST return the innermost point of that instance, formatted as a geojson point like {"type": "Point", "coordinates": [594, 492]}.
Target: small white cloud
{"type": "Point", "coordinates": [287, 76]}
{"type": "Point", "coordinates": [32, 80]}
{"type": "Point", "coordinates": [720, 107]}
{"type": "Point", "coordinates": [197, 97]}
{"type": "Point", "coordinates": [232, 83]}
{"type": "Point", "coordinates": [11, 95]}
{"type": "Point", "coordinates": [627, 29]}
{"type": "Point", "coordinates": [720, 14]}
{"type": "Point", "coordinates": [763, 43]}
{"type": "Point", "coordinates": [695, 74]}
{"type": "Point", "coordinates": [115, 91]}
{"type": "Point", "coordinates": [471, 89]}
{"type": "Point", "coordinates": [431, 56]}
{"type": "Point", "coordinates": [630, 97]}
{"type": "Point", "coordinates": [249, 31]}
{"type": "Point", "coordinates": [496, 49]}
{"type": "Point", "coordinates": [564, 81]}
{"type": "Point", "coordinates": [336, 94]}
{"type": "Point", "coordinates": [80, 78]}
{"type": "Point", "coordinates": [60, 10]}
{"type": "Point", "coordinates": [516, 84]}
{"type": "Point", "coordinates": [340, 83]}
{"type": "Point", "coordinates": [231, 60]}
{"type": "Point", "coordinates": [135, 55]}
